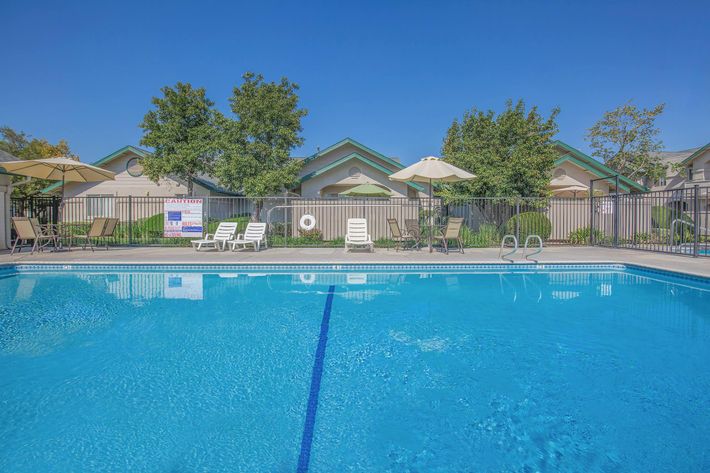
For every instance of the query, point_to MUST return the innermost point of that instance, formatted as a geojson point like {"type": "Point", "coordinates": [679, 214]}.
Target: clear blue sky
{"type": "Point", "coordinates": [392, 75]}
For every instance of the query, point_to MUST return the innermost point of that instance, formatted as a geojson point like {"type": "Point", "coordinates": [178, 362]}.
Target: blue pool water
{"type": "Point", "coordinates": [593, 369]}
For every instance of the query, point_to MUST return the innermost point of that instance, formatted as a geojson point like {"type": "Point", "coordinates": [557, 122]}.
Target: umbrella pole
{"type": "Point", "coordinates": [431, 225]}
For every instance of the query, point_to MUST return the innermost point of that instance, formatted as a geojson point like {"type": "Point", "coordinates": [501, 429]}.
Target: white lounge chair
{"type": "Point", "coordinates": [224, 233]}
{"type": "Point", "coordinates": [357, 235]}
{"type": "Point", "coordinates": [254, 235]}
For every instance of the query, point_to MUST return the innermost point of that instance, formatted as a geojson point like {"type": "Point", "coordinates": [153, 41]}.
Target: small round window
{"type": "Point", "coordinates": [559, 172]}
{"type": "Point", "coordinates": [134, 167]}
{"type": "Point", "coordinates": [354, 171]}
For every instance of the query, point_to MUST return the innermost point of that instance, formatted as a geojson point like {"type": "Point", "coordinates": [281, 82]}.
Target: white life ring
{"type": "Point", "coordinates": [307, 278]}
{"type": "Point", "coordinates": [307, 222]}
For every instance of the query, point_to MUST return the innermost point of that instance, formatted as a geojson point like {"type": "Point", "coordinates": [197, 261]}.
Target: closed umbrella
{"type": "Point", "coordinates": [430, 170]}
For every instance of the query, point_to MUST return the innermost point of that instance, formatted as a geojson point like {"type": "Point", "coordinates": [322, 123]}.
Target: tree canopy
{"type": "Point", "coordinates": [257, 143]}
{"type": "Point", "coordinates": [510, 153]}
{"type": "Point", "coordinates": [626, 139]}
{"type": "Point", "coordinates": [24, 146]}
{"type": "Point", "coordinates": [183, 129]}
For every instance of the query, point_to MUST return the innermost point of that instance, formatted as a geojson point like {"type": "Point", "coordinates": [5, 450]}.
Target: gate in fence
{"type": "Point", "coordinates": [670, 221]}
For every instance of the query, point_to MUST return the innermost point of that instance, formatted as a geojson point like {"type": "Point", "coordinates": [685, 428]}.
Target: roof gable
{"type": "Point", "coordinates": [590, 164]}
{"type": "Point", "coordinates": [103, 161]}
{"type": "Point", "coordinates": [361, 158]}
{"type": "Point", "coordinates": [700, 151]}
{"type": "Point", "coordinates": [356, 144]}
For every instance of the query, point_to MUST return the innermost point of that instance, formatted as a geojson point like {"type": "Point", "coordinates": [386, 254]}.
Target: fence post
{"type": "Point", "coordinates": [696, 220]}
{"type": "Point", "coordinates": [616, 211]}
{"type": "Point", "coordinates": [517, 218]}
{"type": "Point", "coordinates": [206, 222]}
{"type": "Point", "coordinates": [591, 213]}
{"type": "Point", "coordinates": [130, 220]}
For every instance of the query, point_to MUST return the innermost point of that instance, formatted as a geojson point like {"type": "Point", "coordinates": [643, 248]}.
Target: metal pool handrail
{"type": "Point", "coordinates": [683, 222]}
{"type": "Point", "coordinates": [537, 250]}
{"type": "Point", "coordinates": [502, 245]}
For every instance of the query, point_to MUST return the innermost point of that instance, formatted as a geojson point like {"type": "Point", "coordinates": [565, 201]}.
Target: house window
{"type": "Point", "coordinates": [100, 205]}
{"type": "Point", "coordinates": [354, 172]}
{"type": "Point", "coordinates": [690, 173]}
{"type": "Point", "coordinates": [559, 172]}
{"type": "Point", "coordinates": [661, 181]}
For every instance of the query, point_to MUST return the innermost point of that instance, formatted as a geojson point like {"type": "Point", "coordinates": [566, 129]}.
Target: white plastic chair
{"type": "Point", "coordinates": [254, 235]}
{"type": "Point", "coordinates": [357, 235]}
{"type": "Point", "coordinates": [224, 233]}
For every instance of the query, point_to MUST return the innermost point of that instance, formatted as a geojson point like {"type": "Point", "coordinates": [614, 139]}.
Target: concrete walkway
{"type": "Point", "coordinates": [162, 255]}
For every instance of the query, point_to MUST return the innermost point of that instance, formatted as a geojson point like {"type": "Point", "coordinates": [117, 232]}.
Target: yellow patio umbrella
{"type": "Point", "coordinates": [58, 169]}
{"type": "Point", "coordinates": [430, 170]}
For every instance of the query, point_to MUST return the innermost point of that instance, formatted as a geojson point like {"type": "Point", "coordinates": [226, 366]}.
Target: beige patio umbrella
{"type": "Point", "coordinates": [561, 191]}
{"type": "Point", "coordinates": [430, 170]}
{"type": "Point", "coordinates": [58, 169]}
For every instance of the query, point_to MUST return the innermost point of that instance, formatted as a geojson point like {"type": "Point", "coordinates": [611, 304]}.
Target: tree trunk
{"type": "Point", "coordinates": [189, 186]}
{"type": "Point", "coordinates": [256, 213]}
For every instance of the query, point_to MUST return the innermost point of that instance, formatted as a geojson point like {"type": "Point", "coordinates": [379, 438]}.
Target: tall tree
{"type": "Point", "coordinates": [23, 146]}
{"type": "Point", "coordinates": [183, 131]}
{"type": "Point", "coordinates": [257, 143]}
{"type": "Point", "coordinates": [626, 139]}
{"type": "Point", "coordinates": [510, 153]}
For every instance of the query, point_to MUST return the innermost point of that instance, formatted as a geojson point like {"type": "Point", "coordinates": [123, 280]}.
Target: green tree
{"type": "Point", "coordinates": [510, 153]}
{"type": "Point", "coordinates": [183, 130]}
{"type": "Point", "coordinates": [626, 139]}
{"type": "Point", "coordinates": [256, 145]}
{"type": "Point", "coordinates": [23, 146]}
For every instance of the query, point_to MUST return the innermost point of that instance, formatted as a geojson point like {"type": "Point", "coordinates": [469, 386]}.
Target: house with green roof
{"type": "Point", "coordinates": [575, 170]}
{"type": "Point", "coordinates": [130, 180]}
{"type": "Point", "coordinates": [328, 173]}
{"type": "Point", "coordinates": [347, 164]}
{"type": "Point", "coordinates": [685, 169]}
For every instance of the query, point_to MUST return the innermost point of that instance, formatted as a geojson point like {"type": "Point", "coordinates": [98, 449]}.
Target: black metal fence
{"type": "Point", "coordinates": [669, 221]}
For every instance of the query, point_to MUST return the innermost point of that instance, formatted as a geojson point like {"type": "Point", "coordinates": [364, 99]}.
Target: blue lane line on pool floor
{"type": "Point", "coordinates": [307, 439]}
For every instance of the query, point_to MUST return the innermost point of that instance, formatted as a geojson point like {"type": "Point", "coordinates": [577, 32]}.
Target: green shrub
{"type": "Point", "coordinates": [642, 238]}
{"type": "Point", "coordinates": [531, 223]}
{"type": "Point", "coordinates": [662, 217]}
{"type": "Point", "coordinates": [486, 236]}
{"type": "Point", "coordinates": [311, 236]}
{"type": "Point", "coordinates": [242, 222]}
{"type": "Point", "coordinates": [581, 235]}
{"type": "Point", "coordinates": [661, 220]}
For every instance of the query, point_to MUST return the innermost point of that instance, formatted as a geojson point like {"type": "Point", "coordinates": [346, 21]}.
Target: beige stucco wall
{"type": "Point", "coordinates": [125, 184]}
{"type": "Point", "coordinates": [676, 179]}
{"type": "Point", "coordinates": [339, 176]}
{"type": "Point", "coordinates": [583, 176]}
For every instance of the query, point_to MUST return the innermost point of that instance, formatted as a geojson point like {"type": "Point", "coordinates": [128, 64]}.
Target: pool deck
{"type": "Point", "coordinates": [162, 255]}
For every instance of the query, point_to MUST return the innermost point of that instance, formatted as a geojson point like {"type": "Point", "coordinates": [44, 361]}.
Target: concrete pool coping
{"type": "Point", "coordinates": [318, 256]}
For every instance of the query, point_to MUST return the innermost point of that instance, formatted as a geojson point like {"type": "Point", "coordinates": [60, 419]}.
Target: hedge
{"type": "Point", "coordinates": [531, 223]}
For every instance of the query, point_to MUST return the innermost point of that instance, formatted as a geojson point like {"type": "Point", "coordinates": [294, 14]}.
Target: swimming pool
{"type": "Point", "coordinates": [369, 368]}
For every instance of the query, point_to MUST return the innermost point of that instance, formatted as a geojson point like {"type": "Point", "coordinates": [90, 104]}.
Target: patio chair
{"type": "Point", "coordinates": [46, 232]}
{"type": "Point", "coordinates": [357, 235]}
{"type": "Point", "coordinates": [398, 237]}
{"type": "Point", "coordinates": [96, 231]}
{"type": "Point", "coordinates": [411, 226]}
{"type": "Point", "coordinates": [224, 233]}
{"type": "Point", "coordinates": [25, 231]}
{"type": "Point", "coordinates": [452, 232]}
{"type": "Point", "coordinates": [254, 235]}
{"type": "Point", "coordinates": [109, 230]}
